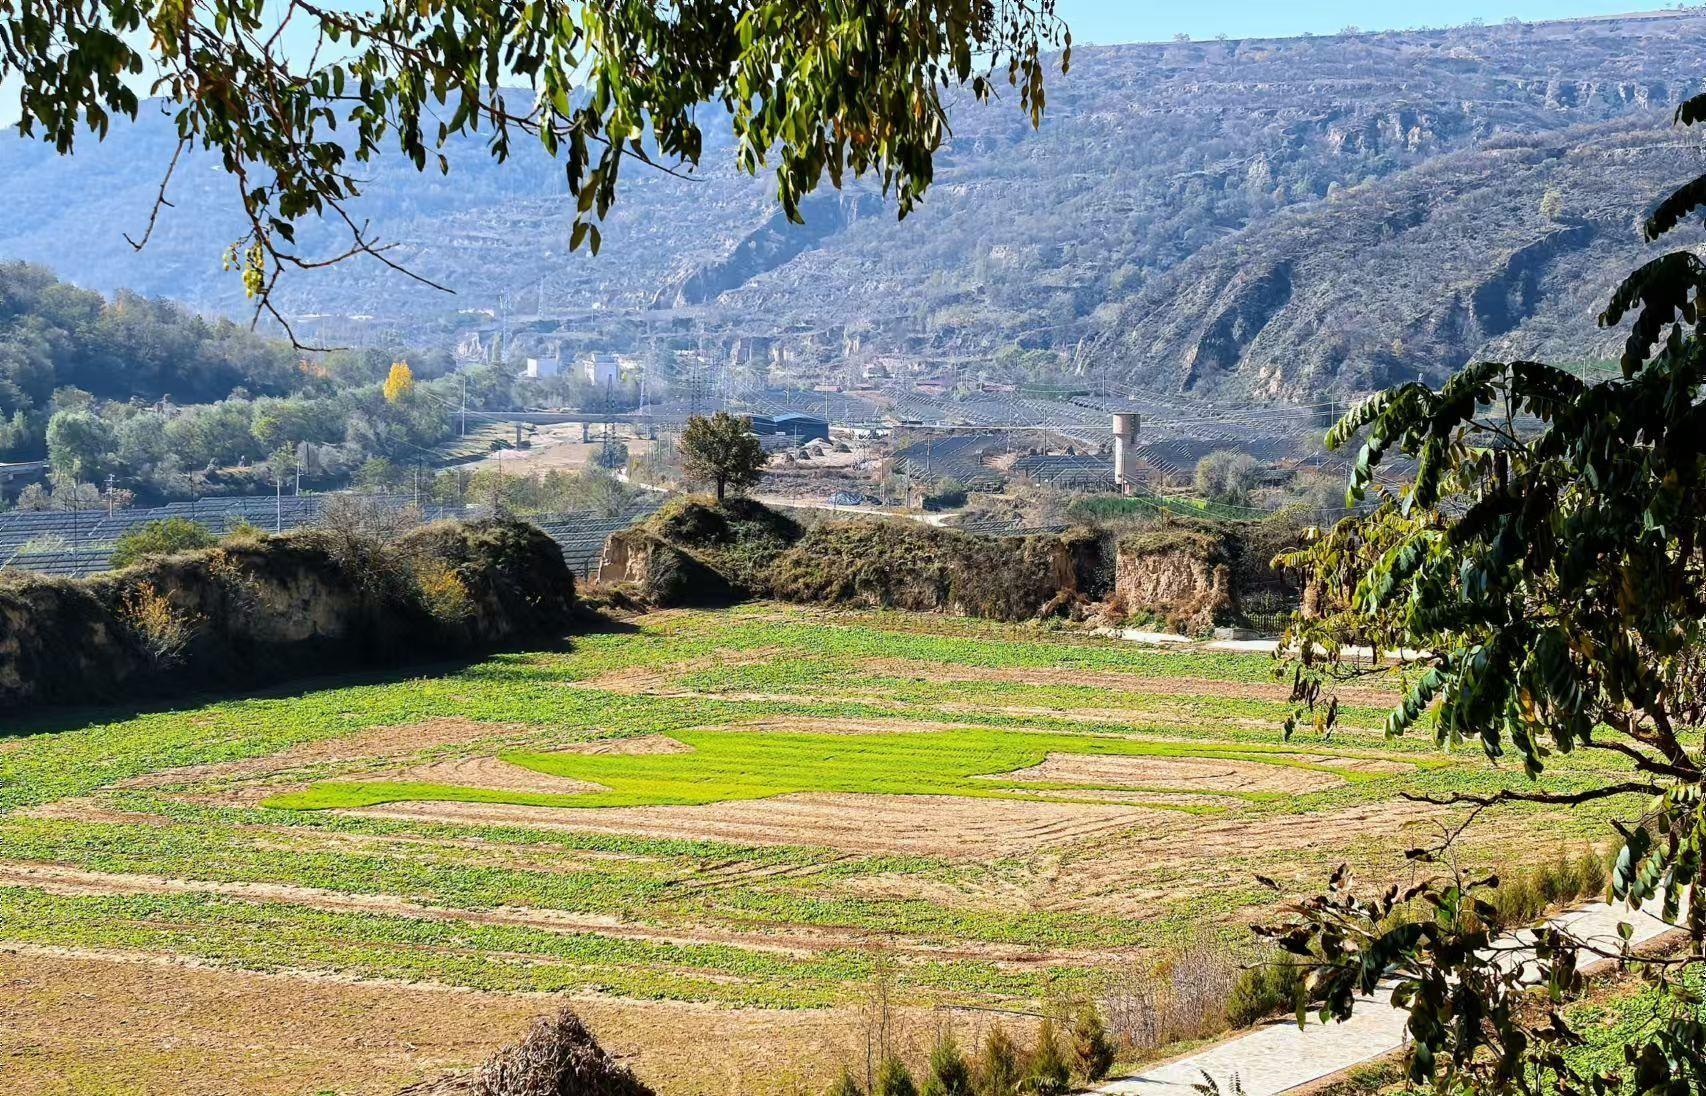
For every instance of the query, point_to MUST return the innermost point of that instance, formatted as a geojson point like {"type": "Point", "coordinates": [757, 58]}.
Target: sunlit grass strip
{"type": "Point", "coordinates": [734, 765]}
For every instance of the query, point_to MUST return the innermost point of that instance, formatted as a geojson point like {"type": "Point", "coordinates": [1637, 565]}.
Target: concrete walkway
{"type": "Point", "coordinates": [1282, 1056]}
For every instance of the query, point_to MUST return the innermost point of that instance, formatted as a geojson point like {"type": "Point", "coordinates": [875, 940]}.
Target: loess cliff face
{"type": "Point", "coordinates": [1182, 578]}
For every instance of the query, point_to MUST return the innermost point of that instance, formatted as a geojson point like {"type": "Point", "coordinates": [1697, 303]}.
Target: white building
{"type": "Point", "coordinates": [539, 368]}
{"type": "Point", "coordinates": [602, 369]}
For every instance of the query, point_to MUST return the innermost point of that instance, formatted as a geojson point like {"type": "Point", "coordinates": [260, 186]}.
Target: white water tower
{"type": "Point", "coordinates": [1126, 425]}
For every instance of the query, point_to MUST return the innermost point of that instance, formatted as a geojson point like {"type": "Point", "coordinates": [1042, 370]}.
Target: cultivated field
{"type": "Point", "coordinates": [723, 834]}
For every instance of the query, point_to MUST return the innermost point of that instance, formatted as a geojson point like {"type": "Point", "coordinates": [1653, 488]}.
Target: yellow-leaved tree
{"type": "Point", "coordinates": [399, 383]}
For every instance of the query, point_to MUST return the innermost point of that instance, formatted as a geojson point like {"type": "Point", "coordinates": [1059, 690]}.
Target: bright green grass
{"type": "Point", "coordinates": [731, 765]}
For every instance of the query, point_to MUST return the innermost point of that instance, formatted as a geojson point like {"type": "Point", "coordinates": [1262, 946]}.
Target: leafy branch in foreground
{"type": "Point", "coordinates": [1539, 583]}
{"type": "Point", "coordinates": [294, 96]}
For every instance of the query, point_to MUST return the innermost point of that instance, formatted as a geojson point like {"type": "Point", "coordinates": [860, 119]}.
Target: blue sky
{"type": "Point", "coordinates": [1149, 21]}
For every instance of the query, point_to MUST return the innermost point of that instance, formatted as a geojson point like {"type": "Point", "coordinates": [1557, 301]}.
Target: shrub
{"type": "Point", "coordinates": [999, 1066]}
{"type": "Point", "coordinates": [442, 592]}
{"type": "Point", "coordinates": [1183, 997]}
{"type": "Point", "coordinates": [950, 1073]}
{"type": "Point", "coordinates": [1048, 1074]}
{"type": "Point", "coordinates": [1523, 897]}
{"type": "Point", "coordinates": [894, 1079]}
{"type": "Point", "coordinates": [1262, 990]}
{"type": "Point", "coordinates": [160, 538]}
{"type": "Point", "coordinates": [244, 532]}
{"type": "Point", "coordinates": [1092, 1051]}
{"type": "Point", "coordinates": [162, 630]}
{"type": "Point", "coordinates": [846, 1085]}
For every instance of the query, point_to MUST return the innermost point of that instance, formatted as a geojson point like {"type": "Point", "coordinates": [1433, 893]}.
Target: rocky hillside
{"type": "Point", "coordinates": [1507, 250]}
{"type": "Point", "coordinates": [1242, 217]}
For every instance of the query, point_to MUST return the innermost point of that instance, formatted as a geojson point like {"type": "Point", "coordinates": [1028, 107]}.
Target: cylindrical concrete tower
{"type": "Point", "coordinates": [1126, 425]}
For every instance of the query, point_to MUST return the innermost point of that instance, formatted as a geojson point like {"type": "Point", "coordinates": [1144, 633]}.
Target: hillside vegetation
{"type": "Point", "coordinates": [1183, 216]}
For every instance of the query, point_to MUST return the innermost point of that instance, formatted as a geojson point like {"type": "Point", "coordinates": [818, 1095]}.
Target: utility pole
{"type": "Point", "coordinates": [109, 494]}
{"type": "Point", "coordinates": [464, 430]}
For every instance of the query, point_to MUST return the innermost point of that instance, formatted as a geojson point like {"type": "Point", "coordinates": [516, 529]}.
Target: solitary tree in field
{"type": "Point", "coordinates": [295, 96]}
{"type": "Point", "coordinates": [1547, 557]}
{"type": "Point", "coordinates": [722, 451]}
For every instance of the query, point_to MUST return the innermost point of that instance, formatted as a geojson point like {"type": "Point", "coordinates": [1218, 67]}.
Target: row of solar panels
{"type": "Point", "coordinates": [581, 534]}
{"type": "Point", "coordinates": [18, 527]}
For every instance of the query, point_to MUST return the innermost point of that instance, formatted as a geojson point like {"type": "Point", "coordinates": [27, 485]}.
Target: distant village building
{"type": "Point", "coordinates": [540, 368]}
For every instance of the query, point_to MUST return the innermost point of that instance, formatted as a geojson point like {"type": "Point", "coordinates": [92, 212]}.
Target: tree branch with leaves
{"type": "Point", "coordinates": [294, 96]}
{"type": "Point", "coordinates": [1538, 581]}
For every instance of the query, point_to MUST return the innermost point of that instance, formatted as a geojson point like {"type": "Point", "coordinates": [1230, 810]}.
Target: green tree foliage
{"type": "Point", "coordinates": [54, 336]}
{"type": "Point", "coordinates": [1542, 576]}
{"type": "Point", "coordinates": [1227, 475]}
{"type": "Point", "coordinates": [815, 87]}
{"type": "Point", "coordinates": [160, 538]}
{"type": "Point", "coordinates": [611, 457]}
{"type": "Point", "coordinates": [950, 1073]}
{"type": "Point", "coordinates": [1092, 1050]}
{"type": "Point", "coordinates": [1000, 1066]}
{"type": "Point", "coordinates": [720, 450]}
{"type": "Point", "coordinates": [80, 444]}
{"type": "Point", "coordinates": [1047, 1074]}
{"type": "Point", "coordinates": [894, 1079]}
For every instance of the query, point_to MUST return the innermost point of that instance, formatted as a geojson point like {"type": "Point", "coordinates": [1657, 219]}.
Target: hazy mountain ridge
{"type": "Point", "coordinates": [1117, 236]}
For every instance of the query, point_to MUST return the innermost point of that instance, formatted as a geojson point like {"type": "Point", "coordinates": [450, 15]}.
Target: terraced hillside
{"type": "Point", "coordinates": [721, 834]}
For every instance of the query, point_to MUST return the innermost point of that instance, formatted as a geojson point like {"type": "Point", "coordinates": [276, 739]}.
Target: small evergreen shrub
{"type": "Point", "coordinates": [1000, 1067]}
{"type": "Point", "coordinates": [159, 538]}
{"type": "Point", "coordinates": [1048, 1074]}
{"type": "Point", "coordinates": [1092, 1050]}
{"type": "Point", "coordinates": [894, 1079]}
{"type": "Point", "coordinates": [846, 1085]}
{"type": "Point", "coordinates": [950, 1073]}
{"type": "Point", "coordinates": [1263, 990]}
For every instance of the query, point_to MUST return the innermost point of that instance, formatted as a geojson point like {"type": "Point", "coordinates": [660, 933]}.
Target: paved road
{"type": "Point", "coordinates": [1282, 1056]}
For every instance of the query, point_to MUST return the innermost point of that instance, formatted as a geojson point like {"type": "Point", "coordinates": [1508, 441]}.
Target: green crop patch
{"type": "Point", "coordinates": [732, 765]}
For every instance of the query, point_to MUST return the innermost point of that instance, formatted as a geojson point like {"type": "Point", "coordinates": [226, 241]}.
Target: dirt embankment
{"type": "Point", "coordinates": [1188, 574]}
{"type": "Point", "coordinates": [273, 607]}
{"type": "Point", "coordinates": [694, 553]}
{"type": "Point", "coordinates": [1182, 576]}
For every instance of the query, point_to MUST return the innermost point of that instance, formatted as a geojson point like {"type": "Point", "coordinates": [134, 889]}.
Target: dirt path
{"type": "Point", "coordinates": [1282, 1056]}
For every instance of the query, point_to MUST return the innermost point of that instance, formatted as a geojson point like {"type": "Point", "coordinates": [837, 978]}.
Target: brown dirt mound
{"type": "Point", "coordinates": [901, 824]}
{"type": "Point", "coordinates": [1172, 772]}
{"type": "Point", "coordinates": [557, 1057]}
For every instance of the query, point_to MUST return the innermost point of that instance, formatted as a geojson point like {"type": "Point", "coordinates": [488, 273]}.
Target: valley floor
{"type": "Point", "coordinates": [730, 838]}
